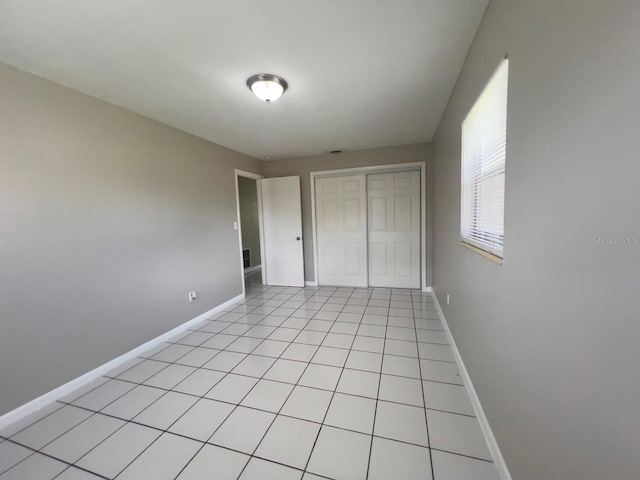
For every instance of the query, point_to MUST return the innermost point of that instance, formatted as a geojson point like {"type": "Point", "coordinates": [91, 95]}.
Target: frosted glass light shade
{"type": "Point", "coordinates": [267, 91]}
{"type": "Point", "coordinates": [266, 87]}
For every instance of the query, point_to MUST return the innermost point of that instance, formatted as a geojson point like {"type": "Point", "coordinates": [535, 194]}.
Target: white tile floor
{"type": "Point", "coordinates": [292, 383]}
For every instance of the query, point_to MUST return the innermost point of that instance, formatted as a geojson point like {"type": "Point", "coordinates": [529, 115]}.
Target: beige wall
{"type": "Point", "coordinates": [362, 158]}
{"type": "Point", "coordinates": [248, 195]}
{"type": "Point", "coordinates": [107, 220]}
{"type": "Point", "coordinates": [550, 338]}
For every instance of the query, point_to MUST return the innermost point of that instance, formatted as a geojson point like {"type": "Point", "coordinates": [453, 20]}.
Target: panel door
{"type": "Point", "coordinates": [283, 258]}
{"type": "Point", "coordinates": [394, 229]}
{"type": "Point", "coordinates": [341, 231]}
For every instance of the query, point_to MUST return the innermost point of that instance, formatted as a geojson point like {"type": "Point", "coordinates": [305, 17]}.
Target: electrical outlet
{"type": "Point", "coordinates": [448, 300]}
{"type": "Point", "coordinates": [192, 296]}
{"type": "Point", "coordinates": [235, 225]}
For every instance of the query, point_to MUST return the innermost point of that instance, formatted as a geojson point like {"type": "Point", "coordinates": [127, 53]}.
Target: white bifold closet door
{"type": "Point", "coordinates": [394, 229]}
{"type": "Point", "coordinates": [341, 230]}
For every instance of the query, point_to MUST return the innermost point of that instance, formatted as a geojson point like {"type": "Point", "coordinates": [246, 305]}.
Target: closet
{"type": "Point", "coordinates": [368, 229]}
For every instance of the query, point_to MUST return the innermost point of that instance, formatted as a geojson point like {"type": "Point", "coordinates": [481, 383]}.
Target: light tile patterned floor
{"type": "Point", "coordinates": [291, 383]}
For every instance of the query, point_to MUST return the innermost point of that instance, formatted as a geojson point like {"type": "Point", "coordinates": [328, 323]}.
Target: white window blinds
{"type": "Point", "coordinates": [484, 133]}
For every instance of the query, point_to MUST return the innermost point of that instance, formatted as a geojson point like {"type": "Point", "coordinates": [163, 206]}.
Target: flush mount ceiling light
{"type": "Point", "coordinates": [267, 87]}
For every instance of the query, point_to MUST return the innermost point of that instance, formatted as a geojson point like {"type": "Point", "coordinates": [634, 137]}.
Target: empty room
{"type": "Point", "coordinates": [301, 240]}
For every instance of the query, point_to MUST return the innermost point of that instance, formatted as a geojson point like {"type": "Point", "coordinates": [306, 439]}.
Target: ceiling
{"type": "Point", "coordinates": [361, 73]}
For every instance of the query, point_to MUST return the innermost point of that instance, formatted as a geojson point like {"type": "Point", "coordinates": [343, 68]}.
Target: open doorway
{"type": "Point", "coordinates": [249, 231]}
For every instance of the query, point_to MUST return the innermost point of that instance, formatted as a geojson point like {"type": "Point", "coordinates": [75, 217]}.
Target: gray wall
{"type": "Point", "coordinates": [551, 338]}
{"type": "Point", "coordinates": [248, 194]}
{"type": "Point", "coordinates": [303, 166]}
{"type": "Point", "coordinates": [107, 220]}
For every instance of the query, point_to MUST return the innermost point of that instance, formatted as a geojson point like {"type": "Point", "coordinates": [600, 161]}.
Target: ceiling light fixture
{"type": "Point", "coordinates": [267, 87]}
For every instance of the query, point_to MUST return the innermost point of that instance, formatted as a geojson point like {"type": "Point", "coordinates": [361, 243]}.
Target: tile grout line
{"type": "Point", "coordinates": [38, 452]}
{"type": "Point", "coordinates": [291, 392]}
{"type": "Point", "coordinates": [336, 387]}
{"type": "Point", "coordinates": [241, 400]}
{"type": "Point", "coordinates": [292, 297]}
{"type": "Point", "coordinates": [175, 362]}
{"type": "Point", "coordinates": [81, 422]}
{"type": "Point", "coordinates": [231, 449]}
{"type": "Point", "coordinates": [167, 430]}
{"type": "Point", "coordinates": [95, 413]}
{"type": "Point", "coordinates": [375, 412]}
{"type": "Point", "coordinates": [267, 411]}
{"type": "Point", "coordinates": [238, 404]}
{"type": "Point", "coordinates": [127, 421]}
{"type": "Point", "coordinates": [424, 399]}
{"type": "Point", "coordinates": [311, 344]}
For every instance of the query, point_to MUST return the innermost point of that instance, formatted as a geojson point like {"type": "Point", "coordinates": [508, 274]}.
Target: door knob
{"type": "Point", "coordinates": [297, 238]}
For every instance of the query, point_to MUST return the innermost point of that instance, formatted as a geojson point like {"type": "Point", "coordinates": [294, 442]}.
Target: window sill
{"type": "Point", "coordinates": [490, 256]}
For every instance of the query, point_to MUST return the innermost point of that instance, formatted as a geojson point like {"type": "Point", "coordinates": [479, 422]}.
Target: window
{"type": "Point", "coordinates": [484, 133]}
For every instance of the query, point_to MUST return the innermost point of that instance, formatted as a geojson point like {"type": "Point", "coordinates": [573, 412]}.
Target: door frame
{"type": "Point", "coordinates": [256, 177]}
{"type": "Point", "coordinates": [390, 168]}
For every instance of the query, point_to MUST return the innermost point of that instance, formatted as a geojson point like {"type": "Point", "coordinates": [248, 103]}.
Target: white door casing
{"type": "Point", "coordinates": [255, 176]}
{"type": "Point", "coordinates": [282, 221]}
{"type": "Point", "coordinates": [341, 232]}
{"type": "Point", "coordinates": [394, 229]}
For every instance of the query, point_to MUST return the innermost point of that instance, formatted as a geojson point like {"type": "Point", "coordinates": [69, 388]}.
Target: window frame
{"type": "Point", "coordinates": [491, 250]}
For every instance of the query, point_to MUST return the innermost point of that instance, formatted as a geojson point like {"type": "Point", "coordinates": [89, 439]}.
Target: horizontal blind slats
{"type": "Point", "coordinates": [483, 166]}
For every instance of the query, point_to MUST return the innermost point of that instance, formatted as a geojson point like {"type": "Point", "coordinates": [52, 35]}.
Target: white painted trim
{"type": "Point", "coordinates": [257, 178]}
{"type": "Point", "coordinates": [261, 232]}
{"type": "Point", "coordinates": [314, 234]}
{"type": "Point", "coordinates": [423, 225]}
{"type": "Point", "coordinates": [428, 289]}
{"type": "Point", "coordinates": [311, 284]}
{"type": "Point", "coordinates": [494, 448]}
{"type": "Point", "coordinates": [49, 397]}
{"type": "Point", "coordinates": [239, 229]}
{"type": "Point", "coordinates": [422, 166]}
{"type": "Point", "coordinates": [390, 168]}
{"type": "Point", "coordinates": [253, 269]}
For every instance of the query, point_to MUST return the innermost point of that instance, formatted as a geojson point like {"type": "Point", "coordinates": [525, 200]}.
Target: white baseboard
{"type": "Point", "coordinates": [42, 401]}
{"type": "Point", "coordinates": [311, 284]}
{"type": "Point", "coordinates": [428, 289]}
{"type": "Point", "coordinates": [498, 460]}
{"type": "Point", "coordinates": [253, 269]}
